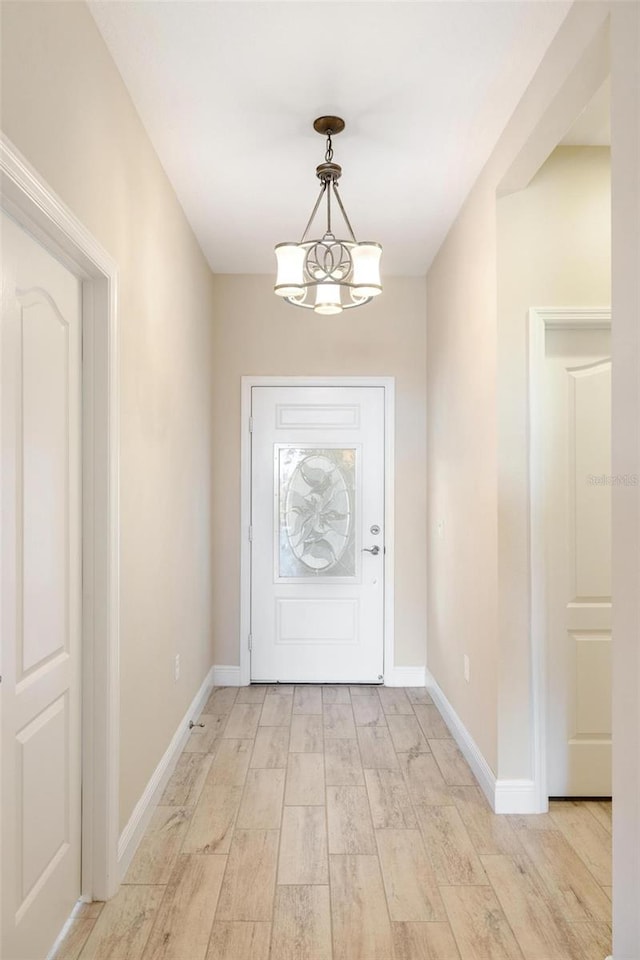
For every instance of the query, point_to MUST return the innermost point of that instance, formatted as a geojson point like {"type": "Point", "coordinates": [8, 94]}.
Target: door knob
{"type": "Point", "coordinates": [374, 550]}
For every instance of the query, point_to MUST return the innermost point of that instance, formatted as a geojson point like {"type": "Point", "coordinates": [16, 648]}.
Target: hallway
{"type": "Point", "coordinates": [313, 823]}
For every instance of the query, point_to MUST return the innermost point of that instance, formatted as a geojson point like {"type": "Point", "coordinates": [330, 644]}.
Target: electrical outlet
{"type": "Point", "coordinates": [467, 668]}
{"type": "Point", "coordinates": [176, 667]}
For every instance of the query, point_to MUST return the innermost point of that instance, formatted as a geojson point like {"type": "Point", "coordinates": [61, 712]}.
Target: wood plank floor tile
{"type": "Point", "coordinates": [254, 693]}
{"type": "Point", "coordinates": [532, 821]}
{"type": "Point", "coordinates": [76, 935]}
{"type": "Point", "coordinates": [276, 710]}
{"type": "Point", "coordinates": [407, 736]}
{"type": "Point", "coordinates": [261, 807]}
{"type": "Point", "coordinates": [349, 821]}
{"type": "Point", "coordinates": [338, 721]}
{"type": "Point", "coordinates": [307, 699]}
{"type": "Point", "coordinates": [363, 690]}
{"type": "Point", "coordinates": [389, 800]}
{"type": "Point", "coordinates": [589, 941]}
{"type": "Point", "coordinates": [394, 701]}
{"type": "Point", "coordinates": [342, 762]}
{"type": "Point", "coordinates": [187, 780]}
{"type": "Point", "coordinates": [489, 833]}
{"type": "Point", "coordinates": [409, 881]}
{"type": "Point", "coordinates": [271, 747]}
{"type": "Point", "coordinates": [570, 885]}
{"type": "Point", "coordinates": [368, 712]}
{"type": "Point", "coordinates": [453, 766]}
{"type": "Point", "coordinates": [249, 880]}
{"type": "Point", "coordinates": [154, 859]}
{"type": "Point", "coordinates": [213, 820]}
{"type": "Point", "coordinates": [424, 779]}
{"type": "Point", "coordinates": [221, 700]}
{"type": "Point", "coordinates": [240, 940]}
{"type": "Point", "coordinates": [204, 739]}
{"type": "Point", "coordinates": [305, 779]}
{"type": "Point", "coordinates": [242, 721]}
{"type": "Point", "coordinates": [302, 923]}
{"type": "Point", "coordinates": [418, 695]}
{"type": "Point", "coordinates": [424, 941]}
{"type": "Point", "coordinates": [303, 846]}
{"type": "Point", "coordinates": [586, 835]}
{"type": "Point", "coordinates": [433, 726]}
{"type": "Point", "coordinates": [453, 856]}
{"type": "Point", "coordinates": [337, 693]}
{"type": "Point", "coordinates": [307, 734]}
{"type": "Point", "coordinates": [231, 762]}
{"type": "Point", "coordinates": [376, 748]}
{"type": "Point", "coordinates": [522, 896]}
{"type": "Point", "coordinates": [609, 892]}
{"type": "Point", "coordinates": [479, 924]}
{"type": "Point", "coordinates": [602, 810]}
{"type": "Point", "coordinates": [123, 928]}
{"type": "Point", "coordinates": [361, 928]}
{"type": "Point", "coordinates": [184, 920]}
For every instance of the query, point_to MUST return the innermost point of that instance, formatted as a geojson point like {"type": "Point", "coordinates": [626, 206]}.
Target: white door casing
{"type": "Point", "coordinates": [32, 204]}
{"type": "Point", "coordinates": [571, 541]}
{"type": "Point", "coordinates": [41, 593]}
{"type": "Point", "coordinates": [317, 508]}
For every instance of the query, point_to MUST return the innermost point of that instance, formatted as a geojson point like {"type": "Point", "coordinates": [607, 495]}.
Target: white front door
{"type": "Point", "coordinates": [578, 521]}
{"type": "Point", "coordinates": [41, 594]}
{"type": "Point", "coordinates": [317, 583]}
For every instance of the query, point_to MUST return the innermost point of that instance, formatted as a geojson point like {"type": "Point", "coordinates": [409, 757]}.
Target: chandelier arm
{"type": "Point", "coordinates": [343, 211]}
{"type": "Point", "coordinates": [313, 212]}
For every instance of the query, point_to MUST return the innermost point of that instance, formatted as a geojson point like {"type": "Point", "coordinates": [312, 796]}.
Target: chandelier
{"type": "Point", "coordinates": [328, 275]}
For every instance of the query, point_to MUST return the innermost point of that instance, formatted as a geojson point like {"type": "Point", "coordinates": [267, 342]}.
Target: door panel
{"type": "Point", "coordinates": [578, 456]}
{"type": "Point", "coordinates": [41, 605]}
{"type": "Point", "coordinates": [317, 492]}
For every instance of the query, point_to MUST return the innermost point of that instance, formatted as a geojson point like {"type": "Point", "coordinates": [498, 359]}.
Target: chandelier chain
{"type": "Point", "coordinates": [329, 151]}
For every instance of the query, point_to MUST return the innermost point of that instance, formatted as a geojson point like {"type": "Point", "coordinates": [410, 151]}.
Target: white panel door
{"type": "Point", "coordinates": [317, 584]}
{"type": "Point", "coordinates": [41, 599]}
{"type": "Point", "coordinates": [578, 458]}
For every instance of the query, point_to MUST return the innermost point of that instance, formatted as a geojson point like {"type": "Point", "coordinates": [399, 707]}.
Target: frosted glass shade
{"type": "Point", "coordinates": [290, 259]}
{"type": "Point", "coordinates": [328, 299]}
{"type": "Point", "coordinates": [366, 269]}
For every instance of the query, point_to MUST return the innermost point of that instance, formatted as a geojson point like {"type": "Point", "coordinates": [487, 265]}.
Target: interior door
{"type": "Point", "coordinates": [41, 599]}
{"type": "Point", "coordinates": [317, 584]}
{"type": "Point", "coordinates": [578, 458]}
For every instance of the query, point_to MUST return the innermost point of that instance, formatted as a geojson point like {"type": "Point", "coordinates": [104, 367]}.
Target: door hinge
{"type": "Point", "coordinates": [250, 533]}
{"type": "Point", "coordinates": [250, 424]}
{"type": "Point", "coordinates": [250, 641]}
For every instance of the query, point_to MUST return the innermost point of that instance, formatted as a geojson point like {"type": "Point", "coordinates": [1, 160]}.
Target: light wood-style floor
{"type": "Point", "coordinates": [313, 823]}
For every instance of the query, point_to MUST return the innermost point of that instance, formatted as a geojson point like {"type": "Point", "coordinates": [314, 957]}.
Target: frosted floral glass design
{"type": "Point", "coordinates": [316, 492]}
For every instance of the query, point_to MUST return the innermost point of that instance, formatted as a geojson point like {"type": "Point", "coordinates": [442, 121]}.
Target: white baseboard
{"type": "Point", "coordinates": [505, 796]}
{"type": "Point", "coordinates": [405, 677]}
{"type": "Point", "coordinates": [469, 748]}
{"type": "Point", "coordinates": [515, 796]}
{"type": "Point", "coordinates": [139, 819]}
{"type": "Point", "coordinates": [226, 676]}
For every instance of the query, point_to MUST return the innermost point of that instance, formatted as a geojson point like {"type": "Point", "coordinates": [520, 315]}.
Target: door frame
{"type": "Point", "coordinates": [541, 320]}
{"type": "Point", "coordinates": [28, 199]}
{"type": "Point", "coordinates": [388, 385]}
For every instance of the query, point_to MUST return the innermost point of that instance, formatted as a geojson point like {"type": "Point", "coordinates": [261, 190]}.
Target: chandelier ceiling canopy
{"type": "Point", "coordinates": [328, 275]}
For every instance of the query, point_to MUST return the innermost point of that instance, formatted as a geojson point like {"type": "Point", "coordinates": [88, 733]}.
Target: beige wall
{"type": "Point", "coordinates": [65, 107]}
{"type": "Point", "coordinates": [554, 250]}
{"type": "Point", "coordinates": [463, 351]}
{"type": "Point", "coordinates": [257, 334]}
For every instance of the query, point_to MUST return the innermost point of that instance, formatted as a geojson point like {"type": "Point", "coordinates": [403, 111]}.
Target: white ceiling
{"type": "Point", "coordinates": [228, 92]}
